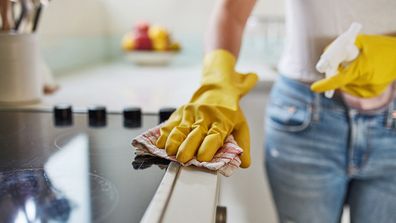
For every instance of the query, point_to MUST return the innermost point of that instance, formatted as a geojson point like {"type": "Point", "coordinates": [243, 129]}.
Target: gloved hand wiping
{"type": "Point", "coordinates": [200, 127]}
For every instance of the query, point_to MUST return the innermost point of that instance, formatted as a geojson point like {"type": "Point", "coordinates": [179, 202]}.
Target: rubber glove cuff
{"type": "Point", "coordinates": [219, 69]}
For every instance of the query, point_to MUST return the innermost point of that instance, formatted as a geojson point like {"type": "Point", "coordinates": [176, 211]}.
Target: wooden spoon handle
{"type": "Point", "coordinates": [6, 15]}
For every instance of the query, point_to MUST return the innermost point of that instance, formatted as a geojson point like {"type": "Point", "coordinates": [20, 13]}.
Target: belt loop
{"type": "Point", "coordinates": [316, 108]}
{"type": "Point", "coordinates": [390, 119]}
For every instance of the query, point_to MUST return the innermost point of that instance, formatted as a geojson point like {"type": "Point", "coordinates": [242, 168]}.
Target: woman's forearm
{"type": "Point", "coordinates": [227, 24]}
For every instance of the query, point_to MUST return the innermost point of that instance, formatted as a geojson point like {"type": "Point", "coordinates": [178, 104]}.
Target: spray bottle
{"type": "Point", "coordinates": [340, 52]}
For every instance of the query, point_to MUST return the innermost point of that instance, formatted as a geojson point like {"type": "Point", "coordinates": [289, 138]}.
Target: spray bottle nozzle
{"type": "Point", "coordinates": [341, 50]}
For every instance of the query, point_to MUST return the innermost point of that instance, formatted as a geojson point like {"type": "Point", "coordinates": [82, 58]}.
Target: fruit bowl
{"type": "Point", "coordinates": [149, 45]}
{"type": "Point", "coordinates": [151, 58]}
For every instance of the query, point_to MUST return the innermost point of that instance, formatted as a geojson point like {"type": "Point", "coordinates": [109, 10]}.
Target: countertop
{"type": "Point", "coordinates": [120, 84]}
{"type": "Point", "coordinates": [117, 85]}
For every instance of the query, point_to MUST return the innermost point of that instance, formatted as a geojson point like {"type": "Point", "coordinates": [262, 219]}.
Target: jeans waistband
{"type": "Point", "coordinates": [302, 90]}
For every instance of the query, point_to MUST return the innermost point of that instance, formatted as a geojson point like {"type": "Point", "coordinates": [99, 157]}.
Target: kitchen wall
{"type": "Point", "coordinates": [184, 16]}
{"type": "Point", "coordinates": [75, 33]}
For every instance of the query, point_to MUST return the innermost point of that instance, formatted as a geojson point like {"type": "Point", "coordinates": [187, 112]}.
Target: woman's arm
{"type": "Point", "coordinates": [227, 24]}
{"type": "Point", "coordinates": [200, 127]}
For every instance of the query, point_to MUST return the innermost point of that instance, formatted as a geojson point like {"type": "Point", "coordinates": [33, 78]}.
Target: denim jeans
{"type": "Point", "coordinates": [321, 155]}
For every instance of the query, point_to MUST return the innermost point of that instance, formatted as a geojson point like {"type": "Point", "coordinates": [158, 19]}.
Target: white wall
{"type": "Point", "coordinates": [185, 16]}
{"type": "Point", "coordinates": [74, 33]}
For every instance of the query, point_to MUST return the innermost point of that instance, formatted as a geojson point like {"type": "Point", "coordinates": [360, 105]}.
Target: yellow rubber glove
{"type": "Point", "coordinates": [370, 73]}
{"type": "Point", "coordinates": [201, 126]}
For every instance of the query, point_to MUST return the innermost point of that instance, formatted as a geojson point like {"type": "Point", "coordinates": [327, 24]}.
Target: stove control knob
{"type": "Point", "coordinates": [97, 116]}
{"type": "Point", "coordinates": [132, 117]}
{"type": "Point", "coordinates": [165, 113]}
{"type": "Point", "coordinates": [63, 115]}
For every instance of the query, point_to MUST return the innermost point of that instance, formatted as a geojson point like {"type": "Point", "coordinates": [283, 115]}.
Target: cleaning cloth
{"type": "Point", "coordinates": [226, 159]}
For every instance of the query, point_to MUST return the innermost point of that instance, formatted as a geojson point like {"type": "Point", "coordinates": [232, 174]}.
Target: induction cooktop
{"type": "Point", "coordinates": [65, 166]}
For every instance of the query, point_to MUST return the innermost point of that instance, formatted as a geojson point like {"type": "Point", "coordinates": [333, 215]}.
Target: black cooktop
{"type": "Point", "coordinates": [75, 167]}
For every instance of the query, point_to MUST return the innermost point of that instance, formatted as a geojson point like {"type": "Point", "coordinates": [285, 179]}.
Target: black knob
{"type": "Point", "coordinates": [132, 117]}
{"type": "Point", "coordinates": [165, 113]}
{"type": "Point", "coordinates": [221, 214]}
{"type": "Point", "coordinates": [63, 115]}
{"type": "Point", "coordinates": [97, 116]}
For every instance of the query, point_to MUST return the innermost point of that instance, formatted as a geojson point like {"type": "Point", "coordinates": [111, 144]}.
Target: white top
{"type": "Point", "coordinates": [312, 24]}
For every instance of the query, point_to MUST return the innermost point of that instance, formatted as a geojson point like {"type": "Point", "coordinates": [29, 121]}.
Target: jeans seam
{"type": "Point", "coordinates": [389, 118]}
{"type": "Point", "coordinates": [352, 138]}
{"type": "Point", "coordinates": [366, 156]}
{"type": "Point", "coordinates": [316, 109]}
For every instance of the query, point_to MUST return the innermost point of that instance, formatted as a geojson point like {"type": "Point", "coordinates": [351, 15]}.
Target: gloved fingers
{"type": "Point", "coordinates": [180, 132]}
{"type": "Point", "coordinates": [360, 39]}
{"type": "Point", "coordinates": [173, 121]}
{"type": "Point", "coordinates": [165, 131]}
{"type": "Point", "coordinates": [190, 145]}
{"type": "Point", "coordinates": [242, 137]}
{"type": "Point", "coordinates": [351, 90]}
{"type": "Point", "coordinates": [247, 82]}
{"type": "Point", "coordinates": [365, 91]}
{"type": "Point", "coordinates": [175, 138]}
{"type": "Point", "coordinates": [212, 142]}
{"type": "Point", "coordinates": [342, 78]}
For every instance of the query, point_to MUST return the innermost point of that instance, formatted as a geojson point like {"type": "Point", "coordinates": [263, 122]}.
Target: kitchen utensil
{"type": "Point", "coordinates": [40, 5]}
{"type": "Point", "coordinates": [36, 20]}
{"type": "Point", "coordinates": [6, 15]}
{"type": "Point", "coordinates": [27, 16]}
{"type": "Point", "coordinates": [13, 6]}
{"type": "Point", "coordinates": [22, 12]}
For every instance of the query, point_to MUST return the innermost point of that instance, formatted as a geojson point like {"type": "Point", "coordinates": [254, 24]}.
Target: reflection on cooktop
{"type": "Point", "coordinates": [32, 194]}
{"type": "Point", "coordinates": [142, 162]}
{"type": "Point", "coordinates": [33, 190]}
{"type": "Point", "coordinates": [73, 173]}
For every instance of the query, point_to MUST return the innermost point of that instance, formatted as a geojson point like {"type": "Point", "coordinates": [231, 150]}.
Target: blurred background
{"type": "Point", "coordinates": [77, 33]}
{"type": "Point", "coordinates": [80, 41]}
{"type": "Point", "coordinates": [80, 44]}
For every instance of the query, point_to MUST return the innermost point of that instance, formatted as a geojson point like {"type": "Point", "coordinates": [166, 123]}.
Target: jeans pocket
{"type": "Point", "coordinates": [289, 114]}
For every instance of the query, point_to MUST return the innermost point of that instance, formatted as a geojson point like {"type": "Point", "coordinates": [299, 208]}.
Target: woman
{"type": "Point", "coordinates": [319, 151]}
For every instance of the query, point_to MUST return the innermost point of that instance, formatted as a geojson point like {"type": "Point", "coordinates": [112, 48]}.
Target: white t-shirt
{"type": "Point", "coordinates": [312, 24]}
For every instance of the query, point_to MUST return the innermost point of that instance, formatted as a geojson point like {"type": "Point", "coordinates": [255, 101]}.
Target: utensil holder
{"type": "Point", "coordinates": [20, 77]}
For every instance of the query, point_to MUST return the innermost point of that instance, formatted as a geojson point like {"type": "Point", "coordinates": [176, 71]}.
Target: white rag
{"type": "Point", "coordinates": [226, 159]}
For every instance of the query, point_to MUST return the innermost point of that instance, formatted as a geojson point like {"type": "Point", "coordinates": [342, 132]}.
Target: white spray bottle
{"type": "Point", "coordinates": [342, 50]}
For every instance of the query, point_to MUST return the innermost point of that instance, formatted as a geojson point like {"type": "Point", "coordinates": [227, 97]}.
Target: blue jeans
{"type": "Point", "coordinates": [320, 155]}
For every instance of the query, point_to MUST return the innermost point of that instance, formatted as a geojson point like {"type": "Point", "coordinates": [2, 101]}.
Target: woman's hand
{"type": "Point", "coordinates": [370, 73]}
{"type": "Point", "coordinates": [200, 127]}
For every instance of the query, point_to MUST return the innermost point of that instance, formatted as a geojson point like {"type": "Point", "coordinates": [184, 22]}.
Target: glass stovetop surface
{"type": "Point", "coordinates": [74, 173]}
